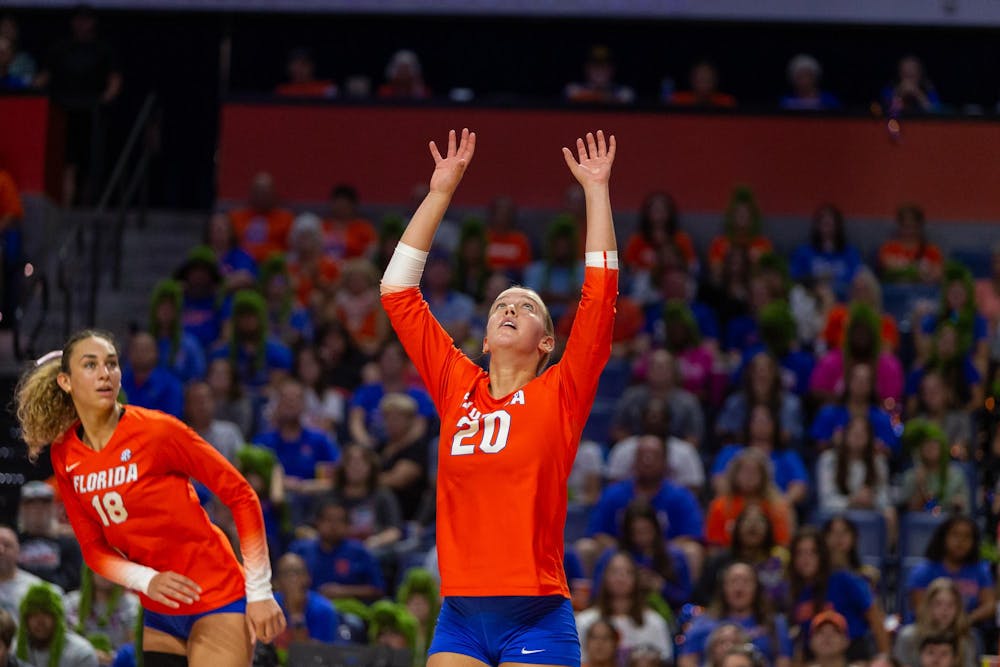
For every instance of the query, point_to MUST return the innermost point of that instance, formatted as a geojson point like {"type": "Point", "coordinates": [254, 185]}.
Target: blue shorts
{"type": "Point", "coordinates": [179, 625]}
{"type": "Point", "coordinates": [539, 630]}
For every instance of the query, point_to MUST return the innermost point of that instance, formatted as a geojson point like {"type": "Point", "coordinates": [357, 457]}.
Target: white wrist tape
{"type": "Point", "coordinates": [137, 577]}
{"type": "Point", "coordinates": [405, 267]}
{"type": "Point", "coordinates": [607, 259]}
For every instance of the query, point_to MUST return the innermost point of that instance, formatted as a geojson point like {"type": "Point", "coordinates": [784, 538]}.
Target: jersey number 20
{"type": "Point", "coordinates": [110, 508]}
{"type": "Point", "coordinates": [496, 428]}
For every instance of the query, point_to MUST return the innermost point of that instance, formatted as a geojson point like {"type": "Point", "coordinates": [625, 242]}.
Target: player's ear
{"type": "Point", "coordinates": [64, 383]}
{"type": "Point", "coordinates": [547, 344]}
{"type": "Point", "coordinates": [486, 345]}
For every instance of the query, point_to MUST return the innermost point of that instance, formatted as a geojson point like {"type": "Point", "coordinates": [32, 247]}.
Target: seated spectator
{"type": "Point", "coordinates": [507, 248]}
{"type": "Point", "coordinates": [662, 570]}
{"type": "Point", "coordinates": [726, 645]}
{"type": "Point", "coordinates": [763, 434]}
{"type": "Point", "coordinates": [289, 321]}
{"type": "Point", "coordinates": [146, 383]}
{"type": "Point", "coordinates": [325, 404]}
{"type": "Point", "coordinates": [658, 227]}
{"type": "Point", "coordinates": [739, 600]}
{"type": "Point", "coordinates": [748, 482]}
{"type": "Point", "coordinates": [776, 330]}
{"type": "Point", "coordinates": [339, 567]}
{"type": "Point", "coordinates": [753, 543]}
{"type": "Point", "coordinates": [695, 362]}
{"type": "Point", "coordinates": [684, 464]}
{"type": "Point", "coordinates": [953, 552]}
{"type": "Point", "coordinates": [704, 93]}
{"type": "Point", "coordinates": [302, 81]}
{"type": "Point", "coordinates": [668, 281]}
{"type": "Point", "coordinates": [941, 612]}
{"type": "Point", "coordinates": [853, 475]}
{"type": "Point", "coordinates": [341, 358]}
{"type": "Point", "coordinates": [307, 456]}
{"type": "Point", "coordinates": [471, 270]}
{"type": "Point", "coordinates": [958, 306]}
{"type": "Point", "coordinates": [262, 227]}
{"type": "Point", "coordinates": [203, 310]}
{"type": "Point", "coordinates": [934, 481]}
{"type": "Point", "coordinates": [912, 91]}
{"type": "Point", "coordinates": [864, 289]}
{"type": "Point", "coordinates": [237, 267]}
{"type": "Point", "coordinates": [601, 643]}
{"type": "Point", "coordinates": [356, 305]}
{"type": "Point", "coordinates": [14, 582]}
{"type": "Point", "coordinates": [257, 357]}
{"type": "Point", "coordinates": [404, 78]}
{"type": "Point", "coordinates": [373, 513]}
{"type": "Point", "coordinates": [939, 651]}
{"type": "Point", "coordinates": [827, 258]}
{"type": "Point", "coordinates": [687, 421]}
{"type": "Point", "coordinates": [178, 350]}
{"type": "Point", "coordinates": [729, 290]}
{"type": "Point", "coordinates": [346, 234]}
{"type": "Point", "coordinates": [910, 257]}
{"type": "Point", "coordinates": [815, 587]}
{"type": "Point", "coordinates": [102, 608]}
{"type": "Point", "coordinates": [392, 626]}
{"type": "Point", "coordinates": [761, 385]}
{"type": "Point", "coordinates": [454, 310]}
{"type": "Point", "coordinates": [364, 419]}
{"type": "Point", "coordinates": [266, 477]}
{"type": "Point", "coordinates": [586, 477]}
{"type": "Point", "coordinates": [314, 274]}
{"type": "Point", "coordinates": [599, 86]}
{"type": "Point", "coordinates": [621, 599]}
{"type": "Point", "coordinates": [420, 595]}
{"type": "Point", "coordinates": [858, 400]}
{"type": "Point", "coordinates": [558, 276]}
{"type": "Point", "coordinates": [862, 345]}
{"type": "Point", "coordinates": [403, 453]}
{"type": "Point", "coordinates": [840, 538]}
{"type": "Point", "coordinates": [987, 291]}
{"type": "Point", "coordinates": [200, 415]}
{"type": "Point", "coordinates": [22, 66]}
{"type": "Point", "coordinates": [742, 229]}
{"type": "Point", "coordinates": [308, 615]}
{"type": "Point", "coordinates": [43, 637]}
{"type": "Point", "coordinates": [804, 73]}
{"type": "Point", "coordinates": [45, 552]}
{"type": "Point", "coordinates": [935, 402]}
{"type": "Point", "coordinates": [8, 629]}
{"type": "Point", "coordinates": [829, 641]}
{"type": "Point", "coordinates": [232, 404]}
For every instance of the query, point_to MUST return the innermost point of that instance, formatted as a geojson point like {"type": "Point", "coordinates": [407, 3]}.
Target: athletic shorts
{"type": "Point", "coordinates": [179, 625]}
{"type": "Point", "coordinates": [538, 630]}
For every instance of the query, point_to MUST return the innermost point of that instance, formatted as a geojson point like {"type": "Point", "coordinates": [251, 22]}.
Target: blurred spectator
{"type": "Point", "coordinates": [951, 356]}
{"type": "Point", "coordinates": [941, 612]}
{"type": "Point", "coordinates": [356, 305]}
{"type": "Point", "coordinates": [586, 477]}
{"type": "Point", "coordinates": [987, 291]}
{"type": "Point", "coordinates": [864, 289]}
{"type": "Point", "coordinates": [936, 403]}
{"type": "Point", "coordinates": [289, 321]}
{"type": "Point", "coordinates": [804, 73]}
{"type": "Point", "coordinates": [910, 257]}
{"type": "Point", "coordinates": [203, 311]}
{"type": "Point", "coordinates": [403, 452]}
{"type": "Point", "coordinates": [266, 477]}
{"type": "Point", "coordinates": [853, 475]}
{"type": "Point", "coordinates": [262, 227]}
{"type": "Point", "coordinates": [346, 234]}
{"type": "Point", "coordinates": [507, 248]}
{"type": "Point", "coordinates": [749, 481]}
{"type": "Point", "coordinates": [669, 281]}
{"type": "Point", "coordinates": [599, 81]}
{"type": "Point", "coordinates": [840, 539]}
{"type": "Point", "coordinates": [302, 81]}
{"type": "Point", "coordinates": [934, 481]}
{"type": "Point", "coordinates": [939, 651]}
{"type": "Point", "coordinates": [776, 329]}
{"type": "Point", "coordinates": [325, 405]}
{"type": "Point", "coordinates": [958, 306]}
{"type": "Point", "coordinates": [621, 599]}
{"type": "Point", "coordinates": [557, 277]}
{"type": "Point", "coordinates": [11, 253]}
{"type": "Point", "coordinates": [658, 227]}
{"type": "Point", "coordinates": [761, 385]}
{"type": "Point", "coordinates": [8, 79]}
{"type": "Point", "coordinates": [392, 626]}
{"type": "Point", "coordinates": [601, 643]}
{"type": "Point", "coordinates": [232, 404]}
{"type": "Point", "coordinates": [687, 420]}
{"type": "Point", "coordinates": [753, 543]}
{"type": "Point", "coordinates": [389, 232]}
{"type": "Point", "coordinates": [145, 383]}
{"type": "Point", "coordinates": [179, 352]}
{"type": "Point", "coordinates": [257, 357]}
{"type": "Point", "coordinates": [704, 93]}
{"type": "Point", "coordinates": [726, 646]}
{"type": "Point", "coordinates": [342, 360]}
{"type": "Point", "coordinates": [308, 615]}
{"type": "Point", "coordinates": [43, 638]}
{"type": "Point", "coordinates": [857, 400]}
{"type": "Point", "coordinates": [729, 291]}
{"type": "Point", "coordinates": [199, 414]}
{"type": "Point", "coordinates": [829, 640]}
{"type": "Point", "coordinates": [448, 230]}
{"type": "Point", "coordinates": [373, 514]}
{"type": "Point", "coordinates": [14, 582]}
{"type": "Point", "coordinates": [912, 91]}
{"type": "Point", "coordinates": [8, 629]}
{"type": "Point", "coordinates": [22, 65]}
{"type": "Point", "coordinates": [83, 77]}
{"type": "Point", "coordinates": [695, 362]}
{"type": "Point", "coordinates": [339, 567]}
{"type": "Point", "coordinates": [454, 310]}
{"type": "Point", "coordinates": [419, 593]}
{"type": "Point", "coordinates": [313, 273]}
{"type": "Point", "coordinates": [404, 78]}
{"type": "Point", "coordinates": [739, 600]}
{"type": "Point", "coordinates": [827, 258]}
{"type": "Point", "coordinates": [44, 551]}
{"type": "Point", "coordinates": [471, 269]}
{"type": "Point", "coordinates": [683, 461]}
{"type": "Point", "coordinates": [953, 552]}
{"type": "Point", "coordinates": [307, 456]}
{"type": "Point", "coordinates": [102, 608]}
{"type": "Point", "coordinates": [237, 267]}
{"type": "Point", "coordinates": [742, 229]}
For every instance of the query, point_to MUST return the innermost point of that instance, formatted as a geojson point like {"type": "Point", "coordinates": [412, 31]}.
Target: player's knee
{"type": "Point", "coordinates": [157, 659]}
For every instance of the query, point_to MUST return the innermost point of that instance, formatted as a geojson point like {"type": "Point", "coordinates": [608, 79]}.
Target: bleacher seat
{"type": "Point", "coordinates": [915, 531]}
{"type": "Point", "coordinates": [978, 261]}
{"type": "Point", "coordinates": [872, 542]}
{"type": "Point", "coordinates": [577, 518]}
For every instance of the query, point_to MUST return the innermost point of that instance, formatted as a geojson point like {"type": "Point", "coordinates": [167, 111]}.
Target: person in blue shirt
{"type": "Point", "coordinates": [179, 351]}
{"type": "Point", "coordinates": [804, 73]}
{"type": "Point", "coordinates": [814, 587]}
{"type": "Point", "coordinates": [953, 552]}
{"type": "Point", "coordinates": [858, 399]}
{"type": "Point", "coordinates": [958, 306]}
{"type": "Point", "coordinates": [776, 329]}
{"type": "Point", "coordinates": [203, 309]}
{"type": "Point", "coordinates": [764, 433]}
{"type": "Point", "coordinates": [453, 309]}
{"type": "Point", "coordinates": [309, 615]}
{"type": "Point", "coordinates": [148, 385]}
{"type": "Point", "coordinates": [289, 321]}
{"type": "Point", "coordinates": [253, 351]}
{"type": "Point", "coordinates": [339, 567]}
{"type": "Point", "coordinates": [762, 383]}
{"type": "Point", "coordinates": [912, 91]}
{"type": "Point", "coordinates": [237, 267]}
{"type": "Point", "coordinates": [951, 357]}
{"type": "Point", "coordinates": [557, 277]}
{"type": "Point", "coordinates": [827, 258]}
{"type": "Point", "coordinates": [307, 456]}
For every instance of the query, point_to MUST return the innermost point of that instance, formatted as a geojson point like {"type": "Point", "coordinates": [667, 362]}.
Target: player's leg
{"type": "Point", "coordinates": [453, 660]}
{"type": "Point", "coordinates": [220, 640]}
{"type": "Point", "coordinates": [161, 647]}
{"type": "Point", "coordinates": [543, 634]}
{"type": "Point", "coordinates": [458, 638]}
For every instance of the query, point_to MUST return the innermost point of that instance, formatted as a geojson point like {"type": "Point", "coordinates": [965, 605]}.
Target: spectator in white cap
{"type": "Point", "coordinates": [313, 272]}
{"type": "Point", "coordinates": [404, 78]}
{"type": "Point", "coordinates": [804, 74]}
{"type": "Point", "coordinates": [44, 552]}
{"type": "Point", "coordinates": [14, 582]}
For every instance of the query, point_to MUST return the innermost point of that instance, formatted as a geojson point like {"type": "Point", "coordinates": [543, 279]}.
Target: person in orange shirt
{"type": "Point", "coordinates": [865, 289]}
{"type": "Point", "coordinates": [313, 274]}
{"type": "Point", "coordinates": [748, 481]}
{"type": "Point", "coordinates": [123, 474]}
{"type": "Point", "coordinates": [704, 91]}
{"type": "Point", "coordinates": [509, 435]}
{"type": "Point", "coordinates": [742, 228]}
{"type": "Point", "coordinates": [910, 257]}
{"type": "Point", "coordinates": [658, 227]}
{"type": "Point", "coordinates": [347, 235]}
{"type": "Point", "coordinates": [262, 228]}
{"type": "Point", "coordinates": [507, 249]}
{"type": "Point", "coordinates": [302, 81]}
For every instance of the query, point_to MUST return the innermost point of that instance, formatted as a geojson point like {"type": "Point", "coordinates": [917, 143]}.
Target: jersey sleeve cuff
{"type": "Point", "coordinates": [258, 590]}
{"type": "Point", "coordinates": [606, 259]}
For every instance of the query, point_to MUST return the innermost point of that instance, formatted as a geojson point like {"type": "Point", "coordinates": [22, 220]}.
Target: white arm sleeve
{"type": "Point", "coordinates": [405, 267]}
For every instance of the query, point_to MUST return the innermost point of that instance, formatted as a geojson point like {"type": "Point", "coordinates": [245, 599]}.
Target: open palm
{"type": "Point", "coordinates": [448, 170]}
{"type": "Point", "coordinates": [595, 159]}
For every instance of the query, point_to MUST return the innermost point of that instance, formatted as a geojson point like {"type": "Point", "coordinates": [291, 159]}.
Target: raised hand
{"type": "Point", "coordinates": [596, 158]}
{"type": "Point", "coordinates": [448, 170]}
{"type": "Point", "coordinates": [171, 589]}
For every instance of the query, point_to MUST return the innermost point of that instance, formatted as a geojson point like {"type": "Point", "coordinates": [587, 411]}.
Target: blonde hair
{"type": "Point", "coordinates": [44, 410]}
{"type": "Point", "coordinates": [959, 626]}
{"type": "Point", "coordinates": [550, 327]}
{"type": "Point", "coordinates": [403, 403]}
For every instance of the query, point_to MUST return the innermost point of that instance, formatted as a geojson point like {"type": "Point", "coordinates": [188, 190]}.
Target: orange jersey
{"type": "Point", "coordinates": [135, 513]}
{"type": "Point", "coordinates": [507, 250]}
{"type": "Point", "coordinates": [504, 462]}
{"type": "Point", "coordinates": [10, 201]}
{"type": "Point", "coordinates": [720, 246]}
{"type": "Point", "coordinates": [894, 256]}
{"type": "Point", "coordinates": [639, 254]}
{"type": "Point", "coordinates": [262, 234]}
{"type": "Point", "coordinates": [836, 328]}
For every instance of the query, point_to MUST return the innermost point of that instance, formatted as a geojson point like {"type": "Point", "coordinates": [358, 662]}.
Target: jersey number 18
{"type": "Point", "coordinates": [110, 508]}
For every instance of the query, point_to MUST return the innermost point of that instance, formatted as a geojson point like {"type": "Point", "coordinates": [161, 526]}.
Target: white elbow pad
{"type": "Point", "coordinates": [405, 267]}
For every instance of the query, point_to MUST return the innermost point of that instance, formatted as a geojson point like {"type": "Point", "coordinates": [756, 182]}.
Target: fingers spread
{"type": "Point", "coordinates": [581, 150]}
{"type": "Point", "coordinates": [591, 145]}
{"type": "Point", "coordinates": [451, 143]}
{"type": "Point", "coordinates": [568, 156]}
{"type": "Point", "coordinates": [612, 146]}
{"type": "Point", "coordinates": [469, 145]}
{"type": "Point", "coordinates": [602, 148]}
